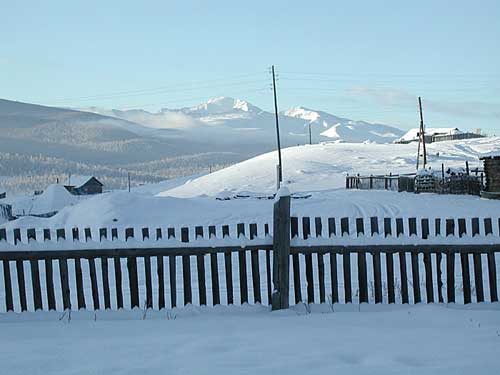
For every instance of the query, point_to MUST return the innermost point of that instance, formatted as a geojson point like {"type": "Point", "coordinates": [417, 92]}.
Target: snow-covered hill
{"type": "Point", "coordinates": [232, 119]}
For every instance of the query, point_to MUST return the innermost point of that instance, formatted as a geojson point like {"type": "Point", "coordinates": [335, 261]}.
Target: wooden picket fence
{"type": "Point", "coordinates": [308, 259]}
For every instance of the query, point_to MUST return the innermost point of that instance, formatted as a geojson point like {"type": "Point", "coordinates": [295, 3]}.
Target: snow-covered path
{"type": "Point", "coordinates": [250, 340]}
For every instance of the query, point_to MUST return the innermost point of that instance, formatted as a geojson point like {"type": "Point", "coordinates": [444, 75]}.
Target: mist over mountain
{"type": "Point", "coordinates": [39, 144]}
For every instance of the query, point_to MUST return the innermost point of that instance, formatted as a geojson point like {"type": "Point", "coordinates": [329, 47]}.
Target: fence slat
{"type": "Point", "coordinates": [173, 280]}
{"type": "Point", "coordinates": [492, 274]}
{"type": "Point", "coordinates": [79, 284]}
{"type": "Point", "coordinates": [118, 282]}
{"type": "Point", "coordinates": [294, 232]}
{"type": "Point", "coordinates": [450, 277]}
{"type": "Point", "coordinates": [404, 277]}
{"type": "Point", "coordinates": [228, 265]}
{"type": "Point", "coordinates": [415, 277]}
{"type": "Point", "coordinates": [242, 262]}
{"type": "Point", "coordinates": [390, 277]}
{"type": "Point", "coordinates": [377, 276]}
{"type": "Point", "coordinates": [362, 277]}
{"type": "Point", "coordinates": [347, 276]}
{"type": "Point", "coordinates": [255, 267]}
{"type": "Point", "coordinates": [105, 282]}
{"type": "Point", "coordinates": [439, 258]}
{"type": "Point", "coordinates": [161, 281]}
{"type": "Point", "coordinates": [334, 277]}
{"type": "Point", "coordinates": [49, 284]}
{"type": "Point", "coordinates": [464, 257]}
{"type": "Point", "coordinates": [21, 285]}
{"type": "Point", "coordinates": [306, 230]}
{"type": "Point", "coordinates": [321, 277]}
{"type": "Point", "coordinates": [9, 300]}
{"type": "Point", "coordinates": [133, 281]}
{"type": "Point", "coordinates": [387, 227]}
{"type": "Point", "coordinates": [374, 225]}
{"type": "Point", "coordinates": [425, 228]}
{"type": "Point", "coordinates": [35, 284]}
{"type": "Point", "coordinates": [186, 270]}
{"type": "Point", "coordinates": [429, 286]}
{"type": "Point", "coordinates": [149, 283]}
{"type": "Point", "coordinates": [63, 273]}
{"type": "Point", "coordinates": [93, 283]}
{"type": "Point", "coordinates": [478, 277]}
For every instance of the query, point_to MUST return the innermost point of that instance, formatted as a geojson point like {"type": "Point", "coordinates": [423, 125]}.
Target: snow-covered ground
{"type": "Point", "coordinates": [250, 340]}
{"type": "Point", "coordinates": [318, 170]}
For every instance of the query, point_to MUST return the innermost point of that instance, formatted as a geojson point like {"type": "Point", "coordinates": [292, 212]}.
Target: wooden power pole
{"type": "Point", "coordinates": [310, 137]}
{"type": "Point", "coordinates": [422, 132]}
{"type": "Point", "coordinates": [280, 166]}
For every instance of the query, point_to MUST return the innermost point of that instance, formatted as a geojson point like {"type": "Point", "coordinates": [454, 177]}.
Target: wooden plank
{"type": "Point", "coordinates": [334, 277]}
{"type": "Point", "coordinates": [362, 278]}
{"type": "Point", "coordinates": [439, 258]}
{"type": "Point", "coordinates": [149, 283]}
{"type": "Point", "coordinates": [75, 234]}
{"type": "Point", "coordinates": [63, 273]}
{"type": "Point", "coordinates": [202, 289]}
{"type": "Point", "coordinates": [332, 230]}
{"type": "Point", "coordinates": [186, 270]}
{"type": "Point", "coordinates": [105, 282]}
{"type": "Point", "coordinates": [21, 285]}
{"type": "Point", "coordinates": [159, 236]}
{"type": "Point", "coordinates": [429, 286]}
{"type": "Point", "coordinates": [412, 225]}
{"type": "Point", "coordinates": [170, 233]}
{"type": "Point", "coordinates": [214, 270]}
{"type": "Point", "coordinates": [88, 234]}
{"type": "Point", "coordinates": [133, 281]}
{"type": "Point", "coordinates": [228, 264]}
{"type": "Point", "coordinates": [31, 234]}
{"type": "Point", "coordinates": [347, 276]}
{"type": "Point", "coordinates": [321, 277]}
{"type": "Point", "coordinates": [374, 225]}
{"type": "Point", "coordinates": [269, 277]}
{"type": "Point", "coordinates": [462, 229]}
{"type": "Point", "coordinates": [387, 227]}
{"type": "Point", "coordinates": [437, 227]}
{"type": "Point", "coordinates": [464, 258]}
{"type": "Point", "coordinates": [360, 226]}
{"type": "Point", "coordinates": [390, 277]}
{"type": "Point", "coordinates": [319, 226]}
{"type": "Point", "coordinates": [242, 262]}
{"type": "Point", "coordinates": [415, 277]}
{"type": "Point", "coordinates": [17, 236]}
{"type": "Point", "coordinates": [103, 234]}
{"type": "Point", "coordinates": [306, 231]}
{"type": "Point", "coordinates": [425, 228]}
{"type": "Point", "coordinates": [114, 234]}
{"type": "Point", "coordinates": [475, 226]}
{"type": "Point", "coordinates": [35, 285]}
{"type": "Point", "coordinates": [3, 234]}
{"type": "Point", "coordinates": [93, 283]}
{"type": "Point", "coordinates": [46, 235]}
{"type": "Point", "coordinates": [399, 227]}
{"type": "Point", "coordinates": [173, 280]}
{"type": "Point", "coordinates": [79, 284]}
{"type": "Point", "coordinates": [129, 233]}
{"type": "Point", "coordinates": [344, 226]}
{"type": "Point", "coordinates": [478, 277]}
{"type": "Point", "coordinates": [60, 234]}
{"type": "Point", "coordinates": [255, 267]}
{"type": "Point", "coordinates": [294, 230]}
{"type": "Point", "coordinates": [450, 277]}
{"type": "Point", "coordinates": [145, 233]}
{"type": "Point", "coordinates": [488, 227]}
{"type": "Point", "coordinates": [160, 272]}
{"type": "Point", "coordinates": [377, 276]}
{"type": "Point", "coordinates": [492, 275]}
{"type": "Point", "coordinates": [404, 277]}
{"type": "Point", "coordinates": [9, 299]}
{"type": "Point", "coordinates": [118, 282]}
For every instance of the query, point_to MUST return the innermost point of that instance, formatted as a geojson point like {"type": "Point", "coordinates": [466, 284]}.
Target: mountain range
{"type": "Point", "coordinates": [40, 144]}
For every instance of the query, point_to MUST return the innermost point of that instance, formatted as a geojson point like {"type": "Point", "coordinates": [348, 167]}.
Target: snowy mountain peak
{"type": "Point", "coordinates": [222, 105]}
{"type": "Point", "coordinates": [302, 113]}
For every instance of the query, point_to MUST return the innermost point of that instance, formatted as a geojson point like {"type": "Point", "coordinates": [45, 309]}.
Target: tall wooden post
{"type": "Point", "coordinates": [280, 170]}
{"type": "Point", "coordinates": [422, 130]}
{"type": "Point", "coordinates": [281, 253]}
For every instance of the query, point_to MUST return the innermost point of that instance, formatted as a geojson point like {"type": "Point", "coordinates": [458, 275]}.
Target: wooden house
{"type": "Point", "coordinates": [83, 185]}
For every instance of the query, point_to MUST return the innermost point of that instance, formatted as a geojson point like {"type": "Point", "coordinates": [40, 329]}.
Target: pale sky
{"type": "Point", "coordinates": [365, 60]}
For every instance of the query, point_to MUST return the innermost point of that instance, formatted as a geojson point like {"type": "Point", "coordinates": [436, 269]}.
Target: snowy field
{"type": "Point", "coordinates": [250, 340]}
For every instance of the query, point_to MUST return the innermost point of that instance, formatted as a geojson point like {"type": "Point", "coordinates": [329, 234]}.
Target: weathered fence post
{"type": "Point", "coordinates": [281, 251]}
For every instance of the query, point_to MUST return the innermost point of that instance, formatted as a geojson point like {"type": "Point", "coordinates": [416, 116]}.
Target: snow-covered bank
{"type": "Point", "coordinates": [407, 340]}
{"type": "Point", "coordinates": [324, 166]}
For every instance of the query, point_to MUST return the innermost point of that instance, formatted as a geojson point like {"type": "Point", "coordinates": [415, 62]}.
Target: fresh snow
{"type": "Point", "coordinates": [412, 134]}
{"type": "Point", "coordinates": [351, 339]}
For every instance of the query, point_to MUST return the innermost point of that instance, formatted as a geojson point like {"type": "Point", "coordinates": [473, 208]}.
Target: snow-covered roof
{"type": "Point", "coordinates": [77, 180]}
{"type": "Point", "coordinates": [53, 199]}
{"type": "Point", "coordinates": [412, 134]}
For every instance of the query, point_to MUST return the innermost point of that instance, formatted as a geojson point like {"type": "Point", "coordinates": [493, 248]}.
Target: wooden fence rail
{"type": "Point", "coordinates": [309, 259]}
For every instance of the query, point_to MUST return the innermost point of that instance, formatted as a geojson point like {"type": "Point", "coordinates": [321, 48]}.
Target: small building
{"type": "Point", "coordinates": [436, 135]}
{"type": "Point", "coordinates": [492, 175]}
{"type": "Point", "coordinates": [83, 185]}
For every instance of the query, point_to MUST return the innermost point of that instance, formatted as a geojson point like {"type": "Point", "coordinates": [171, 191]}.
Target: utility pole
{"type": "Point", "coordinates": [280, 166]}
{"type": "Point", "coordinates": [422, 130]}
{"type": "Point", "coordinates": [128, 175]}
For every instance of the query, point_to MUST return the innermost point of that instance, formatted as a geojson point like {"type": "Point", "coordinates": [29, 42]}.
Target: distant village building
{"type": "Point", "coordinates": [83, 185]}
{"type": "Point", "coordinates": [5, 213]}
{"type": "Point", "coordinates": [436, 135]}
{"type": "Point", "coordinates": [3, 195]}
